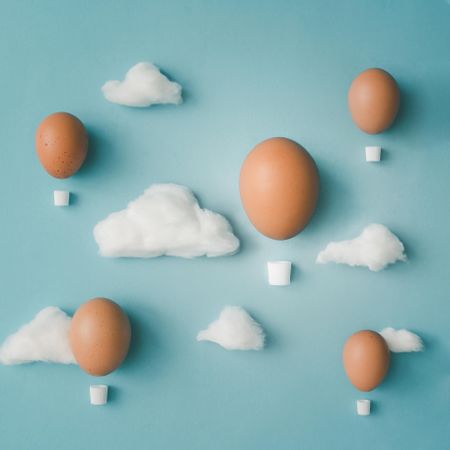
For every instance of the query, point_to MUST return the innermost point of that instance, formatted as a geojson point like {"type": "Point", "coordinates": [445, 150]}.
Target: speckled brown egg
{"type": "Point", "coordinates": [374, 100]}
{"type": "Point", "coordinates": [100, 336]}
{"type": "Point", "coordinates": [62, 144]}
{"type": "Point", "coordinates": [279, 186]}
{"type": "Point", "coordinates": [366, 359]}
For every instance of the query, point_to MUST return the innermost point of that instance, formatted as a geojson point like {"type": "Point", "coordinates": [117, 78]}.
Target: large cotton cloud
{"type": "Point", "coordinates": [144, 85]}
{"type": "Point", "coordinates": [234, 330]}
{"type": "Point", "coordinates": [45, 338]}
{"type": "Point", "coordinates": [400, 341]}
{"type": "Point", "coordinates": [165, 220]}
{"type": "Point", "coordinates": [375, 248]}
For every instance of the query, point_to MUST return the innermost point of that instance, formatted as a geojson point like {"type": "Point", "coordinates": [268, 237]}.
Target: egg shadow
{"type": "Point", "coordinates": [146, 347]}
{"type": "Point", "coordinates": [102, 153]}
{"type": "Point", "coordinates": [334, 197]}
{"type": "Point", "coordinates": [416, 106]}
{"type": "Point", "coordinates": [407, 113]}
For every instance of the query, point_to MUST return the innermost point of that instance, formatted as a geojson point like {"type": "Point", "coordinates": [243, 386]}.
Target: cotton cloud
{"type": "Point", "coordinates": [400, 341]}
{"type": "Point", "coordinates": [234, 330]}
{"type": "Point", "coordinates": [165, 220]}
{"type": "Point", "coordinates": [144, 85]}
{"type": "Point", "coordinates": [45, 338]}
{"type": "Point", "coordinates": [375, 248]}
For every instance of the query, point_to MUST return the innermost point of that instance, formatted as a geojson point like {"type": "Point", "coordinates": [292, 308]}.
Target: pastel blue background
{"type": "Point", "coordinates": [250, 70]}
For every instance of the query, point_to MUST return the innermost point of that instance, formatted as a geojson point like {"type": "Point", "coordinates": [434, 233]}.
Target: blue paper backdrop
{"type": "Point", "coordinates": [250, 70]}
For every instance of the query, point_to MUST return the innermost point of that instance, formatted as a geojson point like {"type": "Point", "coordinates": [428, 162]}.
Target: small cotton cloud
{"type": "Point", "coordinates": [375, 248]}
{"type": "Point", "coordinates": [45, 338]}
{"type": "Point", "coordinates": [144, 85]}
{"type": "Point", "coordinates": [234, 330]}
{"type": "Point", "coordinates": [400, 341]}
{"type": "Point", "coordinates": [165, 220]}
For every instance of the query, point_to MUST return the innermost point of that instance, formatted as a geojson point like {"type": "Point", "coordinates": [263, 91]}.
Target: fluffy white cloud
{"type": "Point", "coordinates": [45, 338]}
{"type": "Point", "coordinates": [165, 220]}
{"type": "Point", "coordinates": [234, 330]}
{"type": "Point", "coordinates": [400, 341]}
{"type": "Point", "coordinates": [375, 248]}
{"type": "Point", "coordinates": [144, 85]}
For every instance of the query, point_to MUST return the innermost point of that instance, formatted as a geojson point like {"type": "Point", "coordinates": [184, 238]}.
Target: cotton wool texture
{"type": "Point", "coordinates": [235, 329]}
{"type": "Point", "coordinates": [402, 341]}
{"type": "Point", "coordinates": [45, 338]}
{"type": "Point", "coordinates": [144, 85]}
{"type": "Point", "coordinates": [376, 247]}
{"type": "Point", "coordinates": [165, 220]}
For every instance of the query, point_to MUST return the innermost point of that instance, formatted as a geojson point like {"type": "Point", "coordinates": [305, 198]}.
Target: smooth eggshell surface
{"type": "Point", "coordinates": [279, 186]}
{"type": "Point", "coordinates": [62, 144]}
{"type": "Point", "coordinates": [100, 336]}
{"type": "Point", "coordinates": [374, 100]}
{"type": "Point", "coordinates": [366, 359]}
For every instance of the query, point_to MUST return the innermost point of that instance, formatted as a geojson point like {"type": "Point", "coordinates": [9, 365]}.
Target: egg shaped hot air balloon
{"type": "Point", "coordinates": [62, 144]}
{"type": "Point", "coordinates": [366, 359]}
{"type": "Point", "coordinates": [100, 336]}
{"type": "Point", "coordinates": [374, 100]}
{"type": "Point", "coordinates": [279, 185]}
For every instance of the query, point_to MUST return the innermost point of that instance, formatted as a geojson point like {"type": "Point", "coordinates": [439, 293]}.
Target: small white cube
{"type": "Point", "coordinates": [363, 407]}
{"type": "Point", "coordinates": [98, 394]}
{"type": "Point", "coordinates": [61, 198]}
{"type": "Point", "coordinates": [373, 153]}
{"type": "Point", "coordinates": [279, 273]}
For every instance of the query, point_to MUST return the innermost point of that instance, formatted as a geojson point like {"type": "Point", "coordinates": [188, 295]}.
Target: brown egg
{"type": "Point", "coordinates": [366, 359]}
{"type": "Point", "coordinates": [61, 143]}
{"type": "Point", "coordinates": [279, 186]}
{"type": "Point", "coordinates": [100, 336]}
{"type": "Point", "coordinates": [374, 99]}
